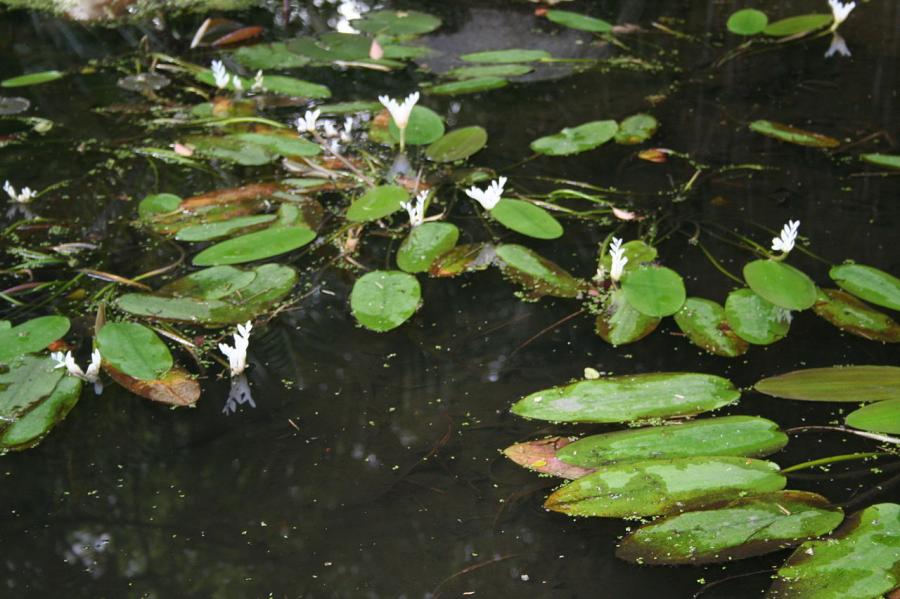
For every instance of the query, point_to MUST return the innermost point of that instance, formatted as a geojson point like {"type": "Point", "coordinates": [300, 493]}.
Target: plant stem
{"type": "Point", "coordinates": [844, 429]}
{"type": "Point", "coordinates": [834, 459]}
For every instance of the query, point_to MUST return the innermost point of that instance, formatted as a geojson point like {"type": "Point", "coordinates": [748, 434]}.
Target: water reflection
{"type": "Point", "coordinates": [238, 395]}
{"type": "Point", "coordinates": [838, 46]}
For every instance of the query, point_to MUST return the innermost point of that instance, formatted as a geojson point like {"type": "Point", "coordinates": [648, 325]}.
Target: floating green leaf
{"type": "Point", "coordinates": [283, 145]}
{"type": "Point", "coordinates": [459, 144]}
{"type": "Point", "coordinates": [703, 321]}
{"type": "Point", "coordinates": [494, 70]}
{"type": "Point", "coordinates": [629, 398]}
{"type": "Point", "coordinates": [747, 436]}
{"type": "Point", "coordinates": [527, 218]}
{"type": "Point", "coordinates": [425, 244]}
{"type": "Point", "coordinates": [463, 258]}
{"type": "Point", "coordinates": [376, 203]}
{"type": "Point", "coordinates": [619, 323]}
{"type": "Point", "coordinates": [856, 317]}
{"type": "Point", "coordinates": [535, 273]}
{"type": "Point", "coordinates": [230, 148]}
{"type": "Point", "coordinates": [755, 320]}
{"type": "Point", "coordinates": [34, 425]}
{"type": "Point", "coordinates": [798, 24]}
{"type": "Point", "coordinates": [885, 160]}
{"type": "Point", "coordinates": [215, 282]}
{"type": "Point", "coordinates": [222, 228]}
{"type": "Point", "coordinates": [31, 336]}
{"type": "Point", "coordinates": [295, 87]}
{"type": "Point", "coordinates": [637, 252]}
{"type": "Point", "coordinates": [255, 246]}
{"type": "Point", "coordinates": [837, 383]}
{"type": "Point", "coordinates": [158, 203]}
{"type": "Point", "coordinates": [868, 283]}
{"type": "Point", "coordinates": [654, 290]}
{"type": "Point", "coordinates": [31, 79]}
{"type": "Point", "coordinates": [657, 487]}
{"type": "Point", "coordinates": [332, 46]}
{"type": "Point", "coordinates": [350, 107]}
{"type": "Point", "coordinates": [636, 129]}
{"type": "Point", "coordinates": [576, 20]}
{"type": "Point", "coordinates": [506, 56]}
{"type": "Point", "coordinates": [573, 140]}
{"type": "Point", "coordinates": [793, 135]}
{"type": "Point", "coordinates": [28, 380]}
{"type": "Point", "coordinates": [383, 300]}
{"type": "Point", "coordinates": [270, 56]}
{"type": "Point", "coordinates": [397, 22]}
{"type": "Point", "coordinates": [424, 127]}
{"type": "Point", "coordinates": [860, 560]}
{"type": "Point", "coordinates": [468, 86]}
{"type": "Point", "coordinates": [878, 417]}
{"type": "Point", "coordinates": [742, 528]}
{"type": "Point", "coordinates": [780, 284]}
{"type": "Point", "coordinates": [134, 349]}
{"type": "Point", "coordinates": [747, 21]}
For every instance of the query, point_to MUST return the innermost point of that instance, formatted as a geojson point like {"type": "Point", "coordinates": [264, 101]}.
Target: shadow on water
{"type": "Point", "coordinates": [369, 466]}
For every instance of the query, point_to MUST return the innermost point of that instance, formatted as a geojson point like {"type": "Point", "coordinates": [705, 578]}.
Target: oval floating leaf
{"type": "Point", "coordinates": [703, 322]}
{"type": "Point", "coordinates": [538, 275]}
{"type": "Point", "coordinates": [856, 317]}
{"type": "Point", "coordinates": [637, 252]}
{"type": "Point", "coordinates": [158, 203]}
{"type": "Point", "coordinates": [283, 145]}
{"type": "Point", "coordinates": [740, 529]}
{"type": "Point", "coordinates": [629, 398]}
{"type": "Point", "coordinates": [527, 218]}
{"type": "Point", "coordinates": [425, 126]}
{"type": "Point", "coordinates": [654, 290]}
{"type": "Point", "coordinates": [657, 487]}
{"type": "Point", "coordinates": [463, 258]}
{"type": "Point", "coordinates": [31, 79]}
{"type": "Point", "coordinates": [397, 22]}
{"type": "Point", "coordinates": [619, 323]}
{"type": "Point", "coordinates": [295, 87]}
{"type": "Point", "coordinates": [383, 300]}
{"type": "Point", "coordinates": [868, 283]}
{"type": "Point", "coordinates": [31, 336]}
{"type": "Point", "coordinates": [780, 284]}
{"type": "Point", "coordinates": [230, 148]}
{"type": "Point", "coordinates": [755, 320]}
{"type": "Point", "coordinates": [636, 129]}
{"type": "Point", "coordinates": [216, 282]}
{"type": "Point", "coordinates": [28, 380]}
{"type": "Point", "coordinates": [425, 244]}
{"type": "Point", "coordinates": [885, 160]}
{"type": "Point", "coordinates": [540, 456]}
{"type": "Point", "coordinates": [269, 56]}
{"type": "Point", "coordinates": [747, 21]}
{"type": "Point", "coordinates": [376, 203]}
{"type": "Point", "coordinates": [793, 135]}
{"type": "Point", "coordinates": [505, 56]}
{"type": "Point", "coordinates": [13, 105]}
{"type": "Point", "coordinates": [575, 20]}
{"type": "Point", "coordinates": [468, 86]}
{"type": "Point", "coordinates": [576, 139]}
{"type": "Point", "coordinates": [457, 145]}
{"type": "Point", "coordinates": [837, 383]}
{"type": "Point", "coordinates": [798, 24]}
{"type": "Point", "coordinates": [861, 559]}
{"type": "Point", "coordinates": [494, 70]}
{"type": "Point", "coordinates": [34, 425]}
{"type": "Point", "coordinates": [134, 350]}
{"type": "Point", "coordinates": [879, 417]}
{"type": "Point", "coordinates": [255, 246]}
{"type": "Point", "coordinates": [223, 228]}
{"type": "Point", "coordinates": [746, 436]}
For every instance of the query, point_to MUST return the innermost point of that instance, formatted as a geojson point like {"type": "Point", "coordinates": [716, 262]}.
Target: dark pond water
{"type": "Point", "coordinates": [370, 466]}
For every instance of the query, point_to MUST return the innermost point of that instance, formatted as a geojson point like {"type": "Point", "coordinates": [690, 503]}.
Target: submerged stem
{"type": "Point", "coordinates": [834, 459]}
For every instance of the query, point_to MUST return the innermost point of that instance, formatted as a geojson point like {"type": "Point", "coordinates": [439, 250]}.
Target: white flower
{"type": "Point", "coordinates": [619, 260]}
{"type": "Point", "coordinates": [23, 197]}
{"type": "Point", "coordinates": [347, 134]}
{"type": "Point", "coordinates": [237, 355]}
{"type": "Point", "coordinates": [785, 243]}
{"type": "Point", "coordinates": [838, 46]}
{"type": "Point", "coordinates": [258, 83]}
{"type": "Point", "coordinates": [92, 375]}
{"type": "Point", "coordinates": [400, 112]}
{"type": "Point", "coordinates": [220, 74]}
{"type": "Point", "coordinates": [328, 129]}
{"type": "Point", "coordinates": [308, 122]}
{"type": "Point", "coordinates": [416, 209]}
{"type": "Point", "coordinates": [236, 82]}
{"type": "Point", "coordinates": [489, 197]}
{"type": "Point", "coordinates": [840, 11]}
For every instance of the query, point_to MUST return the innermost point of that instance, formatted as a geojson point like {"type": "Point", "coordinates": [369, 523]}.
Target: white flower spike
{"type": "Point", "coordinates": [92, 375]}
{"type": "Point", "coordinates": [220, 74]}
{"type": "Point", "coordinates": [237, 84]}
{"type": "Point", "coordinates": [237, 355]}
{"type": "Point", "coordinates": [619, 260]}
{"type": "Point", "coordinates": [259, 84]}
{"type": "Point", "coordinates": [347, 133]}
{"type": "Point", "coordinates": [23, 197]}
{"type": "Point", "coordinates": [307, 122]}
{"type": "Point", "coordinates": [328, 129]}
{"type": "Point", "coordinates": [840, 11]}
{"type": "Point", "coordinates": [489, 197]}
{"type": "Point", "coordinates": [416, 209]}
{"type": "Point", "coordinates": [400, 112]}
{"type": "Point", "coordinates": [785, 242]}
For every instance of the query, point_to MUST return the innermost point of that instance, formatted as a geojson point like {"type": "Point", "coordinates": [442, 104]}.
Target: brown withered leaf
{"type": "Point", "coordinates": [232, 195]}
{"type": "Point", "coordinates": [540, 456]}
{"type": "Point", "coordinates": [240, 35]}
{"type": "Point", "coordinates": [176, 388]}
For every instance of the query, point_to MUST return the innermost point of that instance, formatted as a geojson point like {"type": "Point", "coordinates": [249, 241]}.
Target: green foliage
{"type": "Point", "coordinates": [259, 245]}
{"type": "Point", "coordinates": [134, 350]}
{"type": "Point", "coordinates": [747, 21]}
{"type": "Point", "coordinates": [526, 218]}
{"type": "Point", "coordinates": [837, 383]}
{"type": "Point", "coordinates": [425, 244]}
{"type": "Point", "coordinates": [31, 336]}
{"type": "Point", "coordinates": [383, 300]}
{"type": "Point", "coordinates": [574, 140]}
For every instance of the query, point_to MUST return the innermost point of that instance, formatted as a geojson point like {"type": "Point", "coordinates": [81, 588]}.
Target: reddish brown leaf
{"type": "Point", "coordinates": [540, 456]}
{"type": "Point", "coordinates": [176, 388]}
{"type": "Point", "coordinates": [658, 155]}
{"type": "Point", "coordinates": [231, 195]}
{"type": "Point", "coordinates": [241, 35]}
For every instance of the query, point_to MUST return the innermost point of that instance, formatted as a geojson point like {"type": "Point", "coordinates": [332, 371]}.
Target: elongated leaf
{"type": "Point", "coordinates": [742, 528]}
{"type": "Point", "coordinates": [134, 349]}
{"type": "Point", "coordinates": [506, 56]}
{"type": "Point", "coordinates": [576, 20]}
{"type": "Point", "coordinates": [860, 560]}
{"type": "Point", "coordinates": [473, 85]}
{"type": "Point", "coordinates": [798, 24]}
{"type": "Point", "coordinates": [176, 388]}
{"type": "Point", "coordinates": [222, 228]}
{"type": "Point", "coordinates": [540, 456]}
{"type": "Point", "coordinates": [295, 87]}
{"type": "Point", "coordinates": [747, 21]}
{"type": "Point", "coordinates": [793, 135]}
{"type": "Point", "coordinates": [255, 246]}
{"type": "Point", "coordinates": [879, 417]}
{"type": "Point", "coordinates": [425, 244]}
{"type": "Point", "coordinates": [619, 323]}
{"type": "Point", "coordinates": [35, 424]}
{"type": "Point", "coordinates": [231, 149]}
{"type": "Point", "coordinates": [755, 320]}
{"type": "Point", "coordinates": [29, 380]}
{"type": "Point", "coordinates": [576, 139]}
{"type": "Point", "coordinates": [283, 145]}
{"type": "Point", "coordinates": [425, 126]}
{"type": "Point", "coordinates": [457, 145]}
{"type": "Point", "coordinates": [527, 219]}
{"type": "Point", "coordinates": [657, 487]}
{"type": "Point", "coordinates": [383, 300]}
{"type": "Point", "coordinates": [493, 70]}
{"type": "Point", "coordinates": [629, 398]}
{"type": "Point", "coordinates": [703, 322]}
{"type": "Point", "coordinates": [837, 383]}
{"type": "Point", "coordinates": [780, 284]}
{"type": "Point", "coordinates": [377, 203]}
{"type": "Point", "coordinates": [654, 291]}
{"type": "Point", "coordinates": [868, 283]}
{"type": "Point", "coordinates": [856, 317]}
{"type": "Point", "coordinates": [636, 129]}
{"type": "Point", "coordinates": [885, 160]}
{"type": "Point", "coordinates": [538, 275]}
{"type": "Point", "coordinates": [397, 22]}
{"type": "Point", "coordinates": [746, 436]}
{"type": "Point", "coordinates": [31, 336]}
{"type": "Point", "coordinates": [31, 79]}
{"type": "Point", "coordinates": [269, 56]}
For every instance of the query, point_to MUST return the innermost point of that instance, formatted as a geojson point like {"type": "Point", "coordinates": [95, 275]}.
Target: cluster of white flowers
{"type": "Point", "coordinates": [840, 11]}
{"type": "Point", "coordinates": [785, 242]}
{"type": "Point", "coordinates": [619, 260]}
{"type": "Point", "coordinates": [237, 355]}
{"type": "Point", "coordinates": [488, 198]}
{"type": "Point", "coordinates": [307, 122]}
{"type": "Point", "coordinates": [22, 197]}
{"type": "Point", "coordinates": [416, 209]}
{"type": "Point", "coordinates": [91, 375]}
{"type": "Point", "coordinates": [220, 74]}
{"type": "Point", "coordinates": [223, 78]}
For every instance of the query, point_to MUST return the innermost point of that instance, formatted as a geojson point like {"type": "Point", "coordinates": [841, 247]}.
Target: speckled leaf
{"type": "Point", "coordinates": [281, 144]}
{"type": "Point", "coordinates": [223, 228]}
{"type": "Point", "coordinates": [377, 203]}
{"type": "Point", "coordinates": [836, 383]}
{"type": "Point", "coordinates": [658, 487]}
{"type": "Point", "coordinates": [793, 135]}
{"type": "Point", "coordinates": [879, 417]}
{"type": "Point", "coordinates": [425, 244]}
{"type": "Point", "coordinates": [629, 398]}
{"type": "Point", "coordinates": [855, 317]}
{"type": "Point", "coordinates": [231, 149]}
{"type": "Point", "coordinates": [868, 283]}
{"type": "Point", "coordinates": [742, 528]}
{"type": "Point", "coordinates": [535, 273]}
{"type": "Point", "coordinates": [457, 145]}
{"type": "Point", "coordinates": [28, 380]}
{"type": "Point", "coordinates": [215, 282]}
{"type": "Point", "coordinates": [619, 323]}
{"type": "Point", "coordinates": [637, 252]}
{"type": "Point", "coordinates": [573, 140]}
{"type": "Point", "coordinates": [467, 86]}
{"type": "Point", "coordinates": [463, 258]}
{"type": "Point", "coordinates": [255, 246]}
{"type": "Point", "coordinates": [397, 22]}
{"type": "Point", "coordinates": [703, 322]}
{"type": "Point", "coordinates": [527, 218]}
{"type": "Point", "coordinates": [780, 284]}
{"type": "Point", "coordinates": [383, 300]}
{"type": "Point", "coordinates": [31, 336]}
{"type": "Point", "coordinates": [425, 126]}
{"type": "Point", "coordinates": [636, 129]}
{"type": "Point", "coordinates": [34, 424]}
{"type": "Point", "coordinates": [755, 320]}
{"type": "Point", "coordinates": [540, 456]}
{"type": "Point", "coordinates": [654, 291]}
{"type": "Point", "coordinates": [134, 350]}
